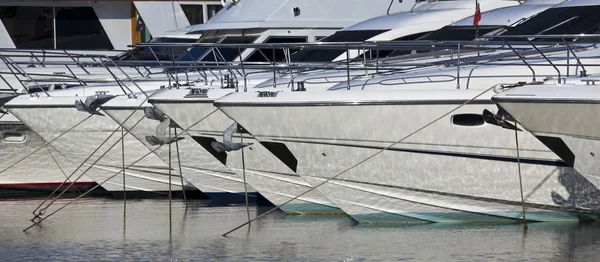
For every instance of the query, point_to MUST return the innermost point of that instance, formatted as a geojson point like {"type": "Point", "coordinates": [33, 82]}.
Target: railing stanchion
{"type": "Point", "coordinates": [347, 67]}
{"type": "Point", "coordinates": [458, 67]}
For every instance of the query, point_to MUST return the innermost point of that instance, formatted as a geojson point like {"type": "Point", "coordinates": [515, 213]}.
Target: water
{"type": "Point", "coordinates": [94, 229]}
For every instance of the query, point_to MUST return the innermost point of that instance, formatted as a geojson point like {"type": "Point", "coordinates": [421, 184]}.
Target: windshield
{"type": "Point", "coordinates": [327, 55]}
{"type": "Point", "coordinates": [195, 53]}
{"type": "Point", "coordinates": [162, 53]}
{"type": "Point", "coordinates": [556, 21]}
{"type": "Point", "coordinates": [458, 33]}
{"type": "Point", "coordinates": [228, 54]}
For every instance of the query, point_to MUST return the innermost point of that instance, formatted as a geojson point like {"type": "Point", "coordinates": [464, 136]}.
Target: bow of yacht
{"type": "Point", "coordinates": [562, 117]}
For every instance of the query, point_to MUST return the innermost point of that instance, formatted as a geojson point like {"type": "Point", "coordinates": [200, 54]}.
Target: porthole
{"type": "Point", "coordinates": [468, 120]}
{"type": "Point", "coordinates": [13, 137]}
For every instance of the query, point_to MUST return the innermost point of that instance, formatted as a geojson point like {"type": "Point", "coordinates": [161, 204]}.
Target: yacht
{"type": "Point", "coordinates": [242, 21]}
{"type": "Point", "coordinates": [267, 167]}
{"type": "Point", "coordinates": [559, 115]}
{"type": "Point", "coordinates": [416, 147]}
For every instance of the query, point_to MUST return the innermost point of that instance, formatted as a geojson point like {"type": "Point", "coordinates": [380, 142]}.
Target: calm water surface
{"type": "Point", "coordinates": [96, 230]}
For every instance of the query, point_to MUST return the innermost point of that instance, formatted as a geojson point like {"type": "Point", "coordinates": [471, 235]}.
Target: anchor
{"type": "Point", "coordinates": [93, 103]}
{"type": "Point", "coordinates": [228, 144]}
{"type": "Point", "coordinates": [500, 119]}
{"type": "Point", "coordinates": [165, 122]}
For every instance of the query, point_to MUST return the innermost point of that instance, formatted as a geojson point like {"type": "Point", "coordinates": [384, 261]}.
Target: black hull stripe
{"type": "Point", "coordinates": [557, 163]}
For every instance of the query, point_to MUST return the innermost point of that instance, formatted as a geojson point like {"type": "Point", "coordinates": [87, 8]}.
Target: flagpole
{"type": "Point", "coordinates": [477, 18]}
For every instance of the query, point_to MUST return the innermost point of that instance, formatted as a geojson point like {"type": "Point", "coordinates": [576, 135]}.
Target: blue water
{"type": "Point", "coordinates": [95, 229]}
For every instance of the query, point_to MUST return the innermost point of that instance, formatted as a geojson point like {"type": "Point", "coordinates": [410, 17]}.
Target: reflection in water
{"type": "Point", "coordinates": [95, 229]}
{"type": "Point", "coordinates": [582, 193]}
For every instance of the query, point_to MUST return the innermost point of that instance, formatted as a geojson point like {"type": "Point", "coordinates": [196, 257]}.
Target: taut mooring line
{"type": "Point", "coordinates": [88, 158]}
{"type": "Point", "coordinates": [245, 184]}
{"type": "Point", "coordinates": [86, 170]}
{"type": "Point", "coordinates": [525, 227]}
{"type": "Point", "coordinates": [43, 146]}
{"type": "Point", "coordinates": [60, 167]}
{"type": "Point", "coordinates": [111, 177]}
{"type": "Point", "coordinates": [123, 162]}
{"type": "Point", "coordinates": [170, 193]}
{"type": "Point", "coordinates": [180, 169]}
{"type": "Point", "coordinates": [361, 162]}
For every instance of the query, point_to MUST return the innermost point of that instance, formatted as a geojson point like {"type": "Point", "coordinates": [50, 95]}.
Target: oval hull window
{"type": "Point", "coordinates": [468, 120]}
{"type": "Point", "coordinates": [13, 137]}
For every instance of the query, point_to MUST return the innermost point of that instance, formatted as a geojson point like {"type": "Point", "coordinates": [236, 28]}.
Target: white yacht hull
{"type": "Point", "coordinates": [566, 124]}
{"type": "Point", "coordinates": [443, 173]}
{"type": "Point", "coordinates": [262, 170]}
{"type": "Point", "coordinates": [28, 166]}
{"type": "Point", "coordinates": [77, 135]}
{"type": "Point", "coordinates": [197, 166]}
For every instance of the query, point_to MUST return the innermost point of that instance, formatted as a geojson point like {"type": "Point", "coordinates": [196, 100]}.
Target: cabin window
{"type": "Point", "coordinates": [79, 28]}
{"type": "Point", "coordinates": [229, 54]}
{"type": "Point", "coordinates": [266, 54]}
{"type": "Point", "coordinates": [13, 137]}
{"type": "Point", "coordinates": [212, 10]}
{"type": "Point", "coordinates": [327, 55]}
{"type": "Point", "coordinates": [29, 26]}
{"type": "Point", "coordinates": [161, 52]}
{"type": "Point", "coordinates": [194, 13]}
{"type": "Point", "coordinates": [43, 27]}
{"type": "Point", "coordinates": [468, 120]}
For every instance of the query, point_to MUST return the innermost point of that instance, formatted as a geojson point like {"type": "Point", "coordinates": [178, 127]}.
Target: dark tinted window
{"type": "Point", "coordinates": [163, 53]}
{"type": "Point", "coordinates": [385, 53]}
{"type": "Point", "coordinates": [447, 33]}
{"type": "Point", "coordinates": [79, 28]}
{"type": "Point", "coordinates": [228, 54]}
{"type": "Point", "coordinates": [197, 52]}
{"type": "Point", "coordinates": [212, 10]}
{"type": "Point", "coordinates": [29, 26]}
{"type": "Point", "coordinates": [266, 54]}
{"type": "Point", "coordinates": [565, 20]}
{"type": "Point", "coordinates": [458, 33]}
{"type": "Point", "coordinates": [194, 14]}
{"type": "Point", "coordinates": [323, 55]}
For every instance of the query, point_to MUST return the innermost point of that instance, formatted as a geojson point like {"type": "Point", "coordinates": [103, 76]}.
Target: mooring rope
{"type": "Point", "coordinates": [109, 178]}
{"type": "Point", "coordinates": [170, 193]}
{"type": "Point", "coordinates": [525, 227]}
{"type": "Point", "coordinates": [43, 146]}
{"type": "Point", "coordinates": [359, 163]}
{"type": "Point", "coordinates": [43, 210]}
{"type": "Point", "coordinates": [123, 162]}
{"type": "Point", "coordinates": [60, 167]}
{"type": "Point", "coordinates": [245, 184]}
{"type": "Point", "coordinates": [83, 163]}
{"type": "Point", "coordinates": [180, 169]}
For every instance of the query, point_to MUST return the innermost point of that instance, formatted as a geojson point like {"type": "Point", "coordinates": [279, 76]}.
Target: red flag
{"type": "Point", "coordinates": [477, 16]}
